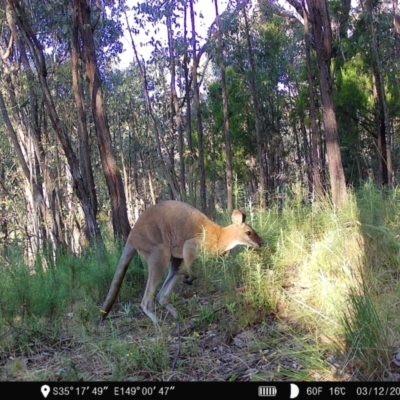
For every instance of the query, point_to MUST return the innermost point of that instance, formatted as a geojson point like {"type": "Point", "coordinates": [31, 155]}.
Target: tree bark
{"type": "Point", "coordinates": [383, 120]}
{"type": "Point", "coordinates": [259, 137]}
{"type": "Point", "coordinates": [28, 126]}
{"type": "Point", "coordinates": [316, 168]}
{"type": "Point", "coordinates": [112, 174]}
{"type": "Point", "coordinates": [202, 172]}
{"type": "Point", "coordinates": [34, 192]}
{"type": "Point", "coordinates": [157, 129]}
{"type": "Point", "coordinates": [225, 111]}
{"type": "Point", "coordinates": [191, 183]}
{"type": "Point", "coordinates": [84, 148]}
{"type": "Point", "coordinates": [319, 18]}
{"type": "Point", "coordinates": [396, 26]}
{"type": "Point", "coordinates": [36, 50]}
{"type": "Point", "coordinates": [380, 131]}
{"type": "Point", "coordinates": [175, 110]}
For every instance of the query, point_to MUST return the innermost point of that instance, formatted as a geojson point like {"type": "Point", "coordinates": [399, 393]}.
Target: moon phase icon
{"type": "Point", "coordinates": [294, 391]}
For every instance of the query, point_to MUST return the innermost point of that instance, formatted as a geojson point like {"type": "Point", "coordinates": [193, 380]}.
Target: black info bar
{"type": "Point", "coordinates": [204, 390]}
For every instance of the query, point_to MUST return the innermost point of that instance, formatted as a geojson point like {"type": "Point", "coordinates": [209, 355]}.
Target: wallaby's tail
{"type": "Point", "coordinates": [123, 263]}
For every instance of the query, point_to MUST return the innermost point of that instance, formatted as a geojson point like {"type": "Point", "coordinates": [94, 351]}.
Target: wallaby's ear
{"type": "Point", "coordinates": [238, 217]}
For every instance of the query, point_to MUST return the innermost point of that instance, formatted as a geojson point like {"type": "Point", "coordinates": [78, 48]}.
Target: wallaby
{"type": "Point", "coordinates": [172, 232]}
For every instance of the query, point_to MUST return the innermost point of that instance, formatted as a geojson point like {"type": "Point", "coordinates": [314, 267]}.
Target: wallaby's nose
{"type": "Point", "coordinates": [257, 244]}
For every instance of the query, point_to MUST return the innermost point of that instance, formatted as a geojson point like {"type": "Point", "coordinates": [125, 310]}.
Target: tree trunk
{"type": "Point", "coordinates": [380, 131]}
{"type": "Point", "coordinates": [29, 128]}
{"type": "Point", "coordinates": [320, 21]}
{"type": "Point", "coordinates": [259, 137]}
{"type": "Point", "coordinates": [202, 172]}
{"type": "Point", "coordinates": [316, 168]}
{"type": "Point", "coordinates": [36, 210]}
{"type": "Point", "coordinates": [157, 128]}
{"type": "Point", "coordinates": [37, 55]}
{"type": "Point", "coordinates": [385, 138]}
{"type": "Point", "coordinates": [396, 26]}
{"type": "Point", "coordinates": [112, 174]}
{"type": "Point", "coordinates": [83, 137]}
{"type": "Point", "coordinates": [191, 183]}
{"type": "Point", "coordinates": [225, 111]}
{"type": "Point", "coordinates": [175, 110]}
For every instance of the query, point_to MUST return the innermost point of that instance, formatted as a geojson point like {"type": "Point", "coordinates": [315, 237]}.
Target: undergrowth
{"type": "Point", "coordinates": [318, 302]}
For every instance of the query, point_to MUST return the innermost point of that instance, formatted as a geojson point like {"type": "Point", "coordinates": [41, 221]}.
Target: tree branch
{"type": "Point", "coordinates": [296, 4]}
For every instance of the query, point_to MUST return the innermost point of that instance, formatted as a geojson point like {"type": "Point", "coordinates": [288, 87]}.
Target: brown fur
{"type": "Point", "coordinates": [169, 233]}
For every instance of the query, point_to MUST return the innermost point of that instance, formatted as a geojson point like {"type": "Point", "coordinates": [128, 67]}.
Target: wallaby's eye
{"type": "Point", "coordinates": [248, 233]}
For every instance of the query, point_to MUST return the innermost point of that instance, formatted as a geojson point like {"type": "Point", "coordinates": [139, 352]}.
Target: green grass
{"type": "Point", "coordinates": [318, 302]}
{"type": "Point", "coordinates": [367, 337]}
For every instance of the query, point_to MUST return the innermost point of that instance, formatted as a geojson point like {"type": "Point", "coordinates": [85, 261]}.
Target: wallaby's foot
{"type": "Point", "coordinates": [163, 301]}
{"type": "Point", "coordinates": [100, 318]}
{"type": "Point", "coordinates": [149, 313]}
{"type": "Point", "coordinates": [172, 310]}
{"type": "Point", "coordinates": [189, 279]}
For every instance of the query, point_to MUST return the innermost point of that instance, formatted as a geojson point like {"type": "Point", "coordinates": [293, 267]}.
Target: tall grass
{"type": "Point", "coordinates": [334, 274]}
{"type": "Point", "coordinates": [367, 337]}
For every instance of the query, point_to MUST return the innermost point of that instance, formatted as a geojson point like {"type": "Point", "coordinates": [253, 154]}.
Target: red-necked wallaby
{"type": "Point", "coordinates": [172, 232]}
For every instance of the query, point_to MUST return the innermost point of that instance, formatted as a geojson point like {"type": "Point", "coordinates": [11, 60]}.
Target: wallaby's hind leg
{"type": "Point", "coordinates": [157, 261]}
{"type": "Point", "coordinates": [168, 285]}
{"type": "Point", "coordinates": [189, 255]}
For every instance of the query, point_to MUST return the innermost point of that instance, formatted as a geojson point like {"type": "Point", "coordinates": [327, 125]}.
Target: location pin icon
{"type": "Point", "coordinates": [45, 389]}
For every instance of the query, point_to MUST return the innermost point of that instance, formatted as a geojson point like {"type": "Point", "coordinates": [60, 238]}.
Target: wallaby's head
{"type": "Point", "coordinates": [245, 234]}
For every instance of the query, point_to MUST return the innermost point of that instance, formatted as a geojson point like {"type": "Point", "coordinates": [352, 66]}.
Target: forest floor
{"type": "Point", "coordinates": [206, 346]}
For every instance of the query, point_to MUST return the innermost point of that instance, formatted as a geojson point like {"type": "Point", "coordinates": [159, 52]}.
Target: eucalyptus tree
{"type": "Point", "coordinates": [316, 164]}
{"type": "Point", "coordinates": [252, 78]}
{"type": "Point", "coordinates": [150, 13]}
{"type": "Point", "coordinates": [87, 21]}
{"type": "Point", "coordinates": [382, 112]}
{"type": "Point", "coordinates": [257, 70]}
{"type": "Point", "coordinates": [178, 58]}
{"type": "Point", "coordinates": [396, 27]}
{"type": "Point", "coordinates": [367, 91]}
{"type": "Point", "coordinates": [225, 110]}
{"type": "Point", "coordinates": [197, 105]}
{"type": "Point", "coordinates": [83, 134]}
{"type": "Point", "coordinates": [187, 84]}
{"type": "Point", "coordinates": [133, 140]}
{"type": "Point", "coordinates": [24, 44]}
{"type": "Point", "coordinates": [175, 107]}
{"type": "Point", "coordinates": [55, 38]}
{"type": "Point", "coordinates": [319, 19]}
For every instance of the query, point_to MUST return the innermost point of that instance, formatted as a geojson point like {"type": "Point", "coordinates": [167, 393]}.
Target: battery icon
{"type": "Point", "coordinates": [267, 391]}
